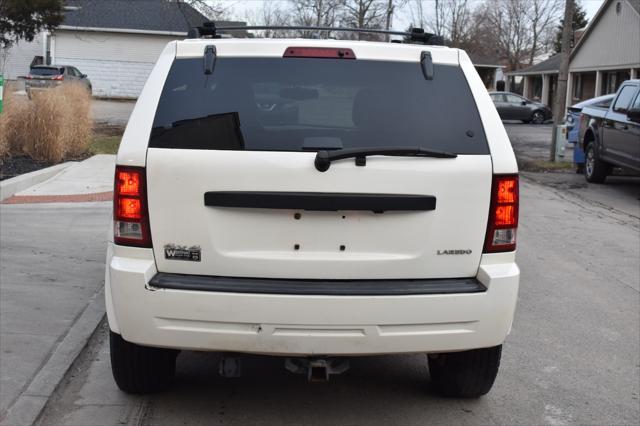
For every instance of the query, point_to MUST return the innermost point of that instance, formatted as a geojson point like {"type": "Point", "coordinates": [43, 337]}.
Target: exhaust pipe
{"type": "Point", "coordinates": [317, 369]}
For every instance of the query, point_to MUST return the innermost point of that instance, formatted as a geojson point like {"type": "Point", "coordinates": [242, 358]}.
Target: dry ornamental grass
{"type": "Point", "coordinates": [54, 125]}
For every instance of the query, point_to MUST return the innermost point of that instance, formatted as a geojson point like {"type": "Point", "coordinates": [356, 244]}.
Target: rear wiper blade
{"type": "Point", "coordinates": [324, 158]}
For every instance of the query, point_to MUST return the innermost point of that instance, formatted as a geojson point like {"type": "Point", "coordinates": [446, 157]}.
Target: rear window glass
{"type": "Point", "coordinates": [296, 104]}
{"type": "Point", "coordinates": [45, 71]}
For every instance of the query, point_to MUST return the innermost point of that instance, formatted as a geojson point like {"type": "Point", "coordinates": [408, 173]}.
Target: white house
{"type": "Point", "coordinates": [114, 42]}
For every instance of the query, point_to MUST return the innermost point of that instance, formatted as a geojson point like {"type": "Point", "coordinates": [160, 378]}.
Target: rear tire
{"type": "Point", "coordinates": [595, 170]}
{"type": "Point", "coordinates": [141, 369]}
{"type": "Point", "coordinates": [468, 374]}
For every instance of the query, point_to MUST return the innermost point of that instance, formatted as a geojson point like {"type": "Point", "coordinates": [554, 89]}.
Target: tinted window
{"type": "Point", "coordinates": [299, 104]}
{"type": "Point", "coordinates": [46, 71]}
{"type": "Point", "coordinates": [624, 98]}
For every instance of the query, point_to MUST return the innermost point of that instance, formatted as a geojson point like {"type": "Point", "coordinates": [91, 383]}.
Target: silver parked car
{"type": "Point", "coordinates": [48, 76]}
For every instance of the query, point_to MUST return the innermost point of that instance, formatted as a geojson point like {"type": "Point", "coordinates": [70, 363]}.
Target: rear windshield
{"type": "Point", "coordinates": [45, 71]}
{"type": "Point", "coordinates": [298, 104]}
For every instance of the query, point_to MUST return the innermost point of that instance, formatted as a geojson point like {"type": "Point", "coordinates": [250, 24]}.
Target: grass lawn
{"type": "Point", "coordinates": [101, 144]}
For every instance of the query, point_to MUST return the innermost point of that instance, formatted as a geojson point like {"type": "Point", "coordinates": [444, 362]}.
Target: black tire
{"type": "Point", "coordinates": [537, 117]}
{"type": "Point", "coordinates": [595, 170]}
{"type": "Point", "coordinates": [141, 369]}
{"type": "Point", "coordinates": [468, 374]}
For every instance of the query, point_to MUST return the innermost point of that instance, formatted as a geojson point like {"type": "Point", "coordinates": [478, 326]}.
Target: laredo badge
{"type": "Point", "coordinates": [176, 252]}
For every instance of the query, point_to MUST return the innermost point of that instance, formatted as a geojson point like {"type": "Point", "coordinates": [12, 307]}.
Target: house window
{"type": "Point", "coordinates": [577, 86]}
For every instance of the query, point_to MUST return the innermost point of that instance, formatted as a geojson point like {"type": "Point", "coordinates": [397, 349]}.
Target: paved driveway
{"type": "Point", "coordinates": [572, 358]}
{"type": "Point", "coordinates": [111, 112]}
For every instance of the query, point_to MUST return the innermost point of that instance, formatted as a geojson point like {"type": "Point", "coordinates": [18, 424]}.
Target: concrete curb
{"type": "Point", "coordinates": [9, 187]}
{"type": "Point", "coordinates": [26, 409]}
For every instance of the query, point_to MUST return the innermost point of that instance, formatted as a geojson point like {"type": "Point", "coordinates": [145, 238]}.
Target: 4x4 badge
{"type": "Point", "coordinates": [176, 252]}
{"type": "Point", "coordinates": [463, 251]}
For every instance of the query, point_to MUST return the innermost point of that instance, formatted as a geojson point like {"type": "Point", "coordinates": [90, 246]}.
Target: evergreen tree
{"type": "Point", "coordinates": [579, 21]}
{"type": "Point", "coordinates": [23, 19]}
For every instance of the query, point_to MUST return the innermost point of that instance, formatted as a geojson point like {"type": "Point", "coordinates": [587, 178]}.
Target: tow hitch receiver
{"type": "Point", "coordinates": [317, 369]}
{"type": "Point", "coordinates": [230, 366]}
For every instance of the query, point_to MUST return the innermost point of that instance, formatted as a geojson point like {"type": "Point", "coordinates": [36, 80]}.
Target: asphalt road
{"type": "Point", "coordinates": [573, 356]}
{"type": "Point", "coordinates": [51, 265]}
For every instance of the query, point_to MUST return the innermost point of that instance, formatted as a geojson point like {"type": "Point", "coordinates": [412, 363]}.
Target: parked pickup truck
{"type": "Point", "coordinates": [610, 137]}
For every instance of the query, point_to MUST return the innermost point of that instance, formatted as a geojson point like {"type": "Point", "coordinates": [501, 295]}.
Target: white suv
{"type": "Point", "coordinates": [313, 199]}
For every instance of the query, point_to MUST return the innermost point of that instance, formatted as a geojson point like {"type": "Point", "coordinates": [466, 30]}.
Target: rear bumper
{"type": "Point", "coordinates": [304, 324]}
{"type": "Point", "coordinates": [41, 85]}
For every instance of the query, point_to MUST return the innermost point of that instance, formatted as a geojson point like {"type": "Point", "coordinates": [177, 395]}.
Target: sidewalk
{"type": "Point", "coordinates": [53, 242]}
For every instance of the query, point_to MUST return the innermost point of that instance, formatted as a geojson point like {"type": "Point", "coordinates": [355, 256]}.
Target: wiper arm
{"type": "Point", "coordinates": [324, 158]}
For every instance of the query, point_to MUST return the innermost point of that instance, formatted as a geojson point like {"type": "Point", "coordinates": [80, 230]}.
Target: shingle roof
{"type": "Point", "coordinates": [551, 65]}
{"type": "Point", "coordinates": [139, 15]}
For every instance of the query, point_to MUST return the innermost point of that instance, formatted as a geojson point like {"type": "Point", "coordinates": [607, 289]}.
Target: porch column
{"type": "Point", "coordinates": [44, 48]}
{"type": "Point", "coordinates": [633, 74]}
{"type": "Point", "coordinates": [545, 89]}
{"type": "Point", "coordinates": [53, 49]}
{"type": "Point", "coordinates": [495, 79]}
{"type": "Point", "coordinates": [525, 86]}
{"type": "Point", "coordinates": [569, 100]}
{"type": "Point", "coordinates": [598, 83]}
{"type": "Point", "coordinates": [507, 83]}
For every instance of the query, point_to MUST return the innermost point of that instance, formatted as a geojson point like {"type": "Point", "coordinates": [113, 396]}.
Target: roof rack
{"type": "Point", "coordinates": [415, 35]}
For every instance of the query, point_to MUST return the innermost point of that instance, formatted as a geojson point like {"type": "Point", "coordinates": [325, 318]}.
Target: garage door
{"type": "Point", "coordinates": [117, 64]}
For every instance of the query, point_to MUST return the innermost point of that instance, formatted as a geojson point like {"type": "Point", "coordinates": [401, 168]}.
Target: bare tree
{"type": "Point", "coordinates": [212, 9]}
{"type": "Point", "coordinates": [319, 13]}
{"type": "Point", "coordinates": [543, 16]}
{"type": "Point", "coordinates": [521, 30]}
{"type": "Point", "coordinates": [365, 14]}
{"type": "Point", "coordinates": [452, 19]}
{"type": "Point", "coordinates": [417, 13]}
{"type": "Point", "coordinates": [507, 20]}
{"type": "Point", "coordinates": [272, 13]}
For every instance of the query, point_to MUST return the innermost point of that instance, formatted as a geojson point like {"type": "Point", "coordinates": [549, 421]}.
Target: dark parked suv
{"type": "Point", "coordinates": [512, 106]}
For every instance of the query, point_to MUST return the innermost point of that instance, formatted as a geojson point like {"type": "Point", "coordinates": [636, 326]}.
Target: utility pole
{"type": "Point", "coordinates": [438, 32]}
{"type": "Point", "coordinates": [390, 8]}
{"type": "Point", "coordinates": [560, 101]}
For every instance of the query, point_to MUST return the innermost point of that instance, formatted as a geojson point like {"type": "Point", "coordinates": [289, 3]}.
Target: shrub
{"type": "Point", "coordinates": [13, 131]}
{"type": "Point", "coordinates": [54, 125]}
{"type": "Point", "coordinates": [76, 133]}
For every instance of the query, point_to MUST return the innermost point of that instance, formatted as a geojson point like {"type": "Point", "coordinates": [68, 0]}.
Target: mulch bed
{"type": "Point", "coordinates": [17, 165]}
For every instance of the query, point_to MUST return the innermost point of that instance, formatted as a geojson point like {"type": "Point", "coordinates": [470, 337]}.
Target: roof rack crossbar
{"type": "Point", "coordinates": [415, 35]}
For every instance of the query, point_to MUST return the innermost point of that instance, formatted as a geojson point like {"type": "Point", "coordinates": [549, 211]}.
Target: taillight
{"type": "Point", "coordinates": [318, 52]}
{"type": "Point", "coordinates": [130, 214]}
{"type": "Point", "coordinates": [59, 77]}
{"type": "Point", "coordinates": [503, 216]}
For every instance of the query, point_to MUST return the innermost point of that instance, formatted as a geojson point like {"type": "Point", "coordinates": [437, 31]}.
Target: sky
{"type": "Point", "coordinates": [401, 21]}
